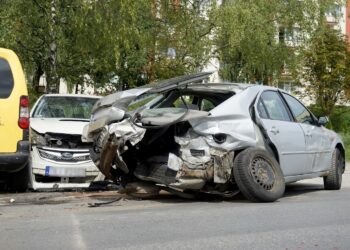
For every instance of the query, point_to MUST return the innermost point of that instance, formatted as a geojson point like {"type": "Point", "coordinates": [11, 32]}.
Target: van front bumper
{"type": "Point", "coordinates": [14, 162]}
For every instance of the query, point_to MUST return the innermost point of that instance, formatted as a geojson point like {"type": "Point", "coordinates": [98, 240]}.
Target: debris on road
{"type": "Point", "coordinates": [98, 204]}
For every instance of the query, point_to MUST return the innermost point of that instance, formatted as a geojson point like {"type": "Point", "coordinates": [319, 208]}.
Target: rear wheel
{"type": "Point", "coordinates": [258, 175]}
{"type": "Point", "coordinates": [334, 179]}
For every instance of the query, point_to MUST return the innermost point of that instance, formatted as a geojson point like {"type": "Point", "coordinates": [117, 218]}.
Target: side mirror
{"type": "Point", "coordinates": [323, 120]}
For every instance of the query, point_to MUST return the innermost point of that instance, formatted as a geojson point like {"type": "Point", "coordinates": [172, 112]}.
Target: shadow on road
{"type": "Point", "coordinates": [79, 196]}
{"type": "Point", "coordinates": [295, 189]}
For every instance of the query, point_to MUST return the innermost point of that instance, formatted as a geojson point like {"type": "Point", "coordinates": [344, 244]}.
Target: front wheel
{"type": "Point", "coordinates": [258, 175]}
{"type": "Point", "coordinates": [334, 179]}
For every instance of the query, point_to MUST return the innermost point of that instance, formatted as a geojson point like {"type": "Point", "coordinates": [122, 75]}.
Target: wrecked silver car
{"type": "Point", "coordinates": [188, 136]}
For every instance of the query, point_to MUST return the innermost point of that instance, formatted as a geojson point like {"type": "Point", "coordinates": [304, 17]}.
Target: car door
{"type": "Point", "coordinates": [318, 144]}
{"type": "Point", "coordinates": [286, 135]}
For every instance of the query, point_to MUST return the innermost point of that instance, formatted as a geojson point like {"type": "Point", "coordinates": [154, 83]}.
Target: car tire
{"type": "Point", "coordinates": [20, 180]}
{"type": "Point", "coordinates": [334, 179]}
{"type": "Point", "coordinates": [258, 175]}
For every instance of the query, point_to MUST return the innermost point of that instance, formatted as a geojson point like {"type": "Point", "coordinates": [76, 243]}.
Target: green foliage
{"type": "Point", "coordinates": [327, 68]}
{"type": "Point", "coordinates": [30, 34]}
{"type": "Point", "coordinates": [157, 28]}
{"type": "Point", "coordinates": [339, 119]}
{"type": "Point", "coordinates": [256, 40]}
{"type": "Point", "coordinates": [130, 43]}
{"type": "Point", "coordinates": [119, 42]}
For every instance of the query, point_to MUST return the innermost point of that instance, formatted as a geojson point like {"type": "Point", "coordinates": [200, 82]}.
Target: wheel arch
{"type": "Point", "coordinates": [342, 151]}
{"type": "Point", "coordinates": [269, 147]}
{"type": "Point", "coordinates": [274, 150]}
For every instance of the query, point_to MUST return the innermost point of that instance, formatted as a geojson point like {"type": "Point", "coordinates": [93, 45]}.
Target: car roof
{"type": "Point", "coordinates": [219, 86]}
{"type": "Point", "coordinates": [197, 82]}
{"type": "Point", "coordinates": [228, 87]}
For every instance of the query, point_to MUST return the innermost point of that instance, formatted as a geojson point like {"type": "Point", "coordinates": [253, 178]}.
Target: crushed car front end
{"type": "Point", "coordinates": [59, 159]}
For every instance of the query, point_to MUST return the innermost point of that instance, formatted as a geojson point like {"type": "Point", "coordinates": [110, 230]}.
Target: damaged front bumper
{"type": "Point", "coordinates": [61, 168]}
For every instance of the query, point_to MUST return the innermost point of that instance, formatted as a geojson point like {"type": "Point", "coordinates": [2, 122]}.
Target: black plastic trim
{"type": "Point", "coordinates": [14, 162]}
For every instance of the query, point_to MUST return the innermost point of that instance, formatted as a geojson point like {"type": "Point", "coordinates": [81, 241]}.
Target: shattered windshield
{"type": "Point", "coordinates": [64, 107]}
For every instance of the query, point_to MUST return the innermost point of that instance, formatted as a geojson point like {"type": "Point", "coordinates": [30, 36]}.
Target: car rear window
{"type": "Point", "coordinates": [6, 79]}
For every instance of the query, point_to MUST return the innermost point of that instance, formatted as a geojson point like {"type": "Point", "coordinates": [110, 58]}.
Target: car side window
{"type": "Point", "coordinates": [6, 79]}
{"type": "Point", "coordinates": [275, 108]}
{"type": "Point", "coordinates": [300, 113]}
{"type": "Point", "coordinates": [262, 110]}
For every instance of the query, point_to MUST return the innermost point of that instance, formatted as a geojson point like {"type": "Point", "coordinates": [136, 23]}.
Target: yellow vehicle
{"type": "Point", "coordinates": [14, 118]}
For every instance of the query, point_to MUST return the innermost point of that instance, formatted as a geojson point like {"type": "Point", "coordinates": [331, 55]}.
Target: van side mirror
{"type": "Point", "coordinates": [323, 120]}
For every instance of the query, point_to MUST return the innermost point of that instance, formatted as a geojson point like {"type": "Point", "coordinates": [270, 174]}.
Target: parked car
{"type": "Point", "coordinates": [14, 121]}
{"type": "Point", "coordinates": [188, 136]}
{"type": "Point", "coordinates": [59, 158]}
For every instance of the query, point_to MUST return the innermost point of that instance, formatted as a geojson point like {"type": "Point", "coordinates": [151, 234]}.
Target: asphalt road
{"type": "Point", "coordinates": [307, 217]}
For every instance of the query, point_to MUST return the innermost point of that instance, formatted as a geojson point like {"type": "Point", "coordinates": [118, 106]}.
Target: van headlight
{"type": "Point", "coordinates": [37, 139]}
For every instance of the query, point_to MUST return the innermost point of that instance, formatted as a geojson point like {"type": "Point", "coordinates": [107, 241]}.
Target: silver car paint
{"type": "Point", "coordinates": [110, 108]}
{"type": "Point", "coordinates": [231, 117]}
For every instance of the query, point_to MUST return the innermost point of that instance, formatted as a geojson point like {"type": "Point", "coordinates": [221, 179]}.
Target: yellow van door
{"type": "Point", "coordinates": [12, 87]}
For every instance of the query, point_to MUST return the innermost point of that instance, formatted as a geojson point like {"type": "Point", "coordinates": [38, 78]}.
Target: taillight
{"type": "Point", "coordinates": [23, 121]}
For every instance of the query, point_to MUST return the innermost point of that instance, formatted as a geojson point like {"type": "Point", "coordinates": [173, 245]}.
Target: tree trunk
{"type": "Point", "coordinates": [53, 81]}
{"type": "Point", "coordinates": [36, 78]}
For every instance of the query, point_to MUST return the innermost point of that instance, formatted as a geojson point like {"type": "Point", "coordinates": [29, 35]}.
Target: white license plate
{"type": "Point", "coordinates": [64, 172]}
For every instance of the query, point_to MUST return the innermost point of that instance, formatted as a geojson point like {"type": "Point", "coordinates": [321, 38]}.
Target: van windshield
{"type": "Point", "coordinates": [64, 107]}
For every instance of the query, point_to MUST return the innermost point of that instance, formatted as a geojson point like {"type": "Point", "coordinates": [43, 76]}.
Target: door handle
{"type": "Point", "coordinates": [274, 130]}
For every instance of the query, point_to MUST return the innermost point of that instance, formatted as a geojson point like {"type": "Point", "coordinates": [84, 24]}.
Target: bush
{"type": "Point", "coordinates": [339, 119]}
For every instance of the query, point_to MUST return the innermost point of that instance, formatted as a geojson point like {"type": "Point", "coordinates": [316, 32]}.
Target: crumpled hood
{"type": "Point", "coordinates": [58, 125]}
{"type": "Point", "coordinates": [123, 98]}
{"type": "Point", "coordinates": [113, 107]}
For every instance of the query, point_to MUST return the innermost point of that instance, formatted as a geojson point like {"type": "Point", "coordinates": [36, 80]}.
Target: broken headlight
{"type": "Point", "coordinates": [219, 138]}
{"type": "Point", "coordinates": [37, 139]}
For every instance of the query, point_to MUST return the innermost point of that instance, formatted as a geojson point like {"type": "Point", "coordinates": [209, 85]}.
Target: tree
{"type": "Point", "coordinates": [120, 42]}
{"type": "Point", "coordinates": [160, 39]}
{"type": "Point", "coordinates": [35, 31]}
{"type": "Point", "coordinates": [327, 68]}
{"type": "Point", "coordinates": [256, 40]}
{"type": "Point", "coordinates": [31, 33]}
